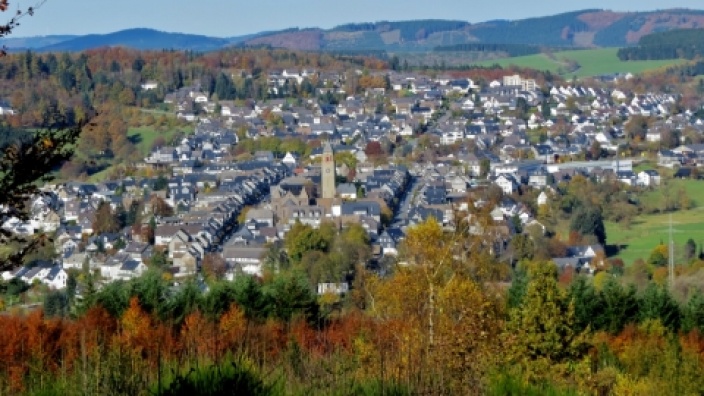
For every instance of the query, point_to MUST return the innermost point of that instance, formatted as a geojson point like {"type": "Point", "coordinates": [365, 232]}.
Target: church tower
{"type": "Point", "coordinates": [327, 169]}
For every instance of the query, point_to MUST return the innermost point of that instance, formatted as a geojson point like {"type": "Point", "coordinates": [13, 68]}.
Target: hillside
{"type": "Point", "coordinates": [586, 63]}
{"type": "Point", "coordinates": [15, 44]}
{"type": "Point", "coordinates": [578, 29]}
{"type": "Point", "coordinates": [673, 44]}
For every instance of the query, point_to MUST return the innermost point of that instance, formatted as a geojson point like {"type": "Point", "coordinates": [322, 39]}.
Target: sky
{"type": "Point", "coordinates": [227, 18]}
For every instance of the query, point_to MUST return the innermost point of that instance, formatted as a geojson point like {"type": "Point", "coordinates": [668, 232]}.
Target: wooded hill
{"type": "Point", "coordinates": [578, 29]}
{"type": "Point", "coordinates": [586, 28]}
{"type": "Point", "coordinates": [675, 44]}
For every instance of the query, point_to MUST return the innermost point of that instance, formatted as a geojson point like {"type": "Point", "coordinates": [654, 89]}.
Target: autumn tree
{"type": "Point", "coordinates": [434, 260]}
{"type": "Point", "coordinates": [438, 304]}
{"type": "Point", "coordinates": [541, 332]}
{"type": "Point", "coordinates": [213, 266]}
{"type": "Point", "coordinates": [160, 207]}
{"type": "Point", "coordinates": [105, 220]}
{"type": "Point", "coordinates": [303, 238]}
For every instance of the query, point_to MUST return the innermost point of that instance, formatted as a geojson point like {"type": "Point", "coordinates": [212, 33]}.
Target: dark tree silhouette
{"type": "Point", "coordinates": [24, 166]}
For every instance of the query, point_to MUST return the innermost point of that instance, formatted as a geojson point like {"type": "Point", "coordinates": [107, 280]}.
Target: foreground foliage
{"type": "Point", "coordinates": [443, 323]}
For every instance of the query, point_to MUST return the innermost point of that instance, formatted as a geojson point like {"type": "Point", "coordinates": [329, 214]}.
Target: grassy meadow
{"type": "Point", "coordinates": [144, 137]}
{"type": "Point", "coordinates": [648, 230]}
{"type": "Point", "coordinates": [592, 62]}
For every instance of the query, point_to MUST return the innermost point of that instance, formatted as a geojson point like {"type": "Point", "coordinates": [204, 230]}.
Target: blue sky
{"type": "Point", "coordinates": [224, 18]}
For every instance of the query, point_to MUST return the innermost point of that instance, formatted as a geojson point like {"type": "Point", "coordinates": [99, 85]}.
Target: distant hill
{"type": "Point", "coordinates": [674, 44]}
{"type": "Point", "coordinates": [143, 39]}
{"type": "Point", "coordinates": [579, 29]}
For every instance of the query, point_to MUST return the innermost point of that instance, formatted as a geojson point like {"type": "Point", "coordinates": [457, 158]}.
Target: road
{"type": "Point", "coordinates": [406, 202]}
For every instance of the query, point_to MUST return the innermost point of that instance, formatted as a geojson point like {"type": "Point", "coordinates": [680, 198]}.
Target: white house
{"type": "Point", "coordinates": [507, 184]}
{"type": "Point", "coordinates": [149, 85]}
{"type": "Point", "coordinates": [648, 178]}
{"type": "Point", "coordinates": [50, 274]}
{"type": "Point", "coordinates": [333, 288]}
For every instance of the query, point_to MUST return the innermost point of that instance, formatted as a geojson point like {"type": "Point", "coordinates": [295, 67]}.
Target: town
{"type": "Point", "coordinates": [399, 207]}
{"type": "Point", "coordinates": [205, 203]}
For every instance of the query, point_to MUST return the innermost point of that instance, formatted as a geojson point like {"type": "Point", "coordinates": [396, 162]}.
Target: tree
{"type": "Point", "coordinates": [657, 303]}
{"type": "Point", "coordinates": [161, 207]}
{"type": "Point", "coordinates": [158, 260]}
{"type": "Point", "coordinates": [24, 166]}
{"type": "Point", "coordinates": [519, 284]}
{"type": "Point", "coordinates": [133, 213]}
{"type": "Point", "coordinates": [56, 303]}
{"type": "Point", "coordinates": [289, 294]}
{"type": "Point", "coordinates": [595, 151]}
{"type": "Point", "coordinates": [434, 261]}
{"type": "Point", "coordinates": [303, 238]}
{"type": "Point", "coordinates": [690, 249]}
{"type": "Point", "coordinates": [693, 313]}
{"type": "Point", "coordinates": [659, 256]}
{"type": "Point", "coordinates": [541, 333]}
{"type": "Point", "coordinates": [105, 220]}
{"type": "Point", "coordinates": [619, 306]}
{"type": "Point", "coordinates": [522, 247]}
{"type": "Point", "coordinates": [276, 258]}
{"type": "Point", "coordinates": [588, 220]}
{"type": "Point", "coordinates": [214, 266]}
{"type": "Point", "coordinates": [586, 302]}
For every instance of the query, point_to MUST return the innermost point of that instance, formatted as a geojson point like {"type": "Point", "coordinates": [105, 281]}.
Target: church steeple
{"type": "Point", "coordinates": [328, 172]}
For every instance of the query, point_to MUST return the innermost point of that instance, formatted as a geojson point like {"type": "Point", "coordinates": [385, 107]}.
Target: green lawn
{"type": "Point", "coordinates": [144, 137]}
{"type": "Point", "coordinates": [592, 62]}
{"type": "Point", "coordinates": [693, 188]}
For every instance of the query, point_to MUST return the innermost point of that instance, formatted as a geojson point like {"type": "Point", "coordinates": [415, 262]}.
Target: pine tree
{"type": "Point", "coordinates": [693, 313]}
{"type": "Point", "coordinates": [657, 303]}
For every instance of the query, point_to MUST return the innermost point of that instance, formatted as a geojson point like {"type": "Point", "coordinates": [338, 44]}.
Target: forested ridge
{"type": "Point", "coordinates": [675, 44]}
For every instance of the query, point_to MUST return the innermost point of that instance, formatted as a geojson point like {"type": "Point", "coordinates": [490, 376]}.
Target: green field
{"type": "Point", "coordinates": [592, 62]}
{"type": "Point", "coordinates": [144, 137]}
{"type": "Point", "coordinates": [647, 231]}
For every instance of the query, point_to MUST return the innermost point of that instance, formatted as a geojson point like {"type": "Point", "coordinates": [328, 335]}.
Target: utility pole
{"type": "Point", "coordinates": [671, 258]}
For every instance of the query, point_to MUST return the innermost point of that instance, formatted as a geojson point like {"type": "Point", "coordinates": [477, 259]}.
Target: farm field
{"type": "Point", "coordinates": [592, 63]}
